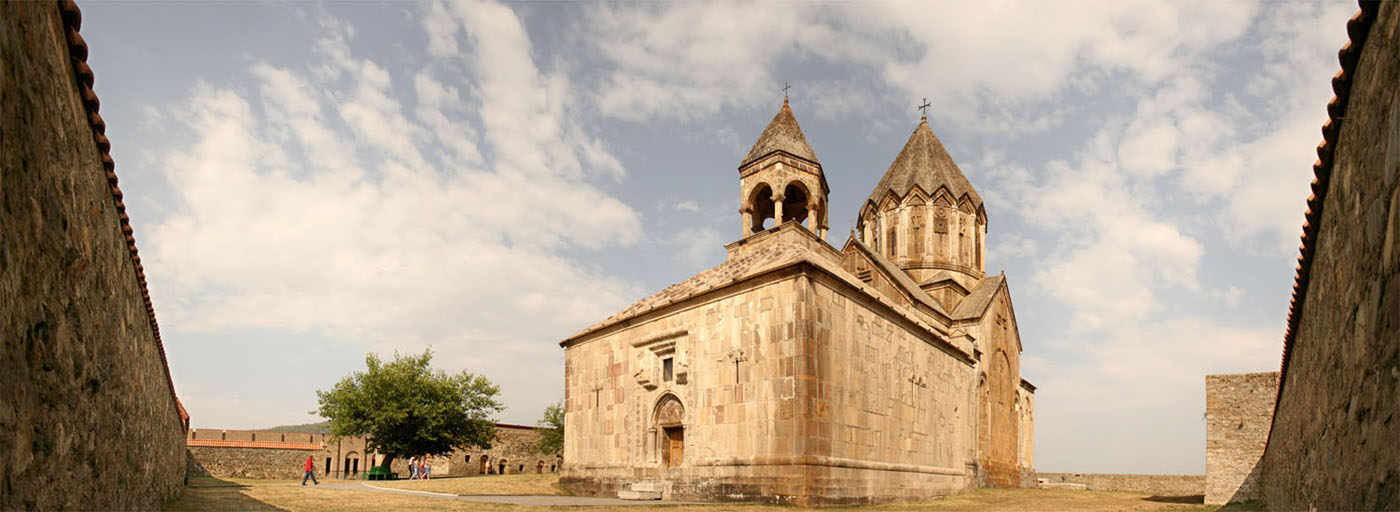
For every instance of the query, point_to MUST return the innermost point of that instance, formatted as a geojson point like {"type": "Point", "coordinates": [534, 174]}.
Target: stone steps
{"type": "Point", "coordinates": [1064, 485]}
{"type": "Point", "coordinates": [641, 491]}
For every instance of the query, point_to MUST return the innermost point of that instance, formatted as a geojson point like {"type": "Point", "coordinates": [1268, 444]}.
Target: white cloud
{"type": "Point", "coordinates": [282, 224]}
{"type": "Point", "coordinates": [696, 246]}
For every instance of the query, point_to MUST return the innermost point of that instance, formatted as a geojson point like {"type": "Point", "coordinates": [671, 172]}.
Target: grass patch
{"type": "Point", "coordinates": [264, 495]}
{"type": "Point", "coordinates": [537, 484]}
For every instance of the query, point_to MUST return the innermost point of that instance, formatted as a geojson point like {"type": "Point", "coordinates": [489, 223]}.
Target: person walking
{"type": "Point", "coordinates": [427, 469]}
{"type": "Point", "coordinates": [413, 467]}
{"type": "Point", "coordinates": [310, 472]}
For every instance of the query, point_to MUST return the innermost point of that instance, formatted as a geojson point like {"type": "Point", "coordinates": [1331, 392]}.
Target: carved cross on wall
{"type": "Point", "coordinates": [596, 389]}
{"type": "Point", "coordinates": [737, 356]}
{"type": "Point", "coordinates": [916, 383]}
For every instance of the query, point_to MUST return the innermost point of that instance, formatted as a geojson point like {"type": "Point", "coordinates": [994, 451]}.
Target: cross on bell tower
{"type": "Point", "coordinates": [781, 179]}
{"type": "Point", "coordinates": [924, 108]}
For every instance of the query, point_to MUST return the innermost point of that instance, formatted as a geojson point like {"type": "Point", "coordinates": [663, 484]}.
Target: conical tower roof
{"type": "Point", "coordinates": [925, 163]}
{"type": "Point", "coordinates": [782, 134]}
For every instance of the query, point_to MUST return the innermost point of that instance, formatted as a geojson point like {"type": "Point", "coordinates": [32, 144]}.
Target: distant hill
{"type": "Point", "coordinates": [307, 428]}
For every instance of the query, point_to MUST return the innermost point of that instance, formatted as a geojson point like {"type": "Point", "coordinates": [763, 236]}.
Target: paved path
{"type": "Point", "coordinates": [535, 500]}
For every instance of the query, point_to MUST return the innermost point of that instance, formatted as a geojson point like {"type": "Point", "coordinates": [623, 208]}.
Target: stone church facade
{"type": "Point", "coordinates": [797, 372]}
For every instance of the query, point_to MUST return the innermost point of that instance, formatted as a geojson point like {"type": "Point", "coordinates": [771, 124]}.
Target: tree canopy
{"type": "Point", "coordinates": [552, 438]}
{"type": "Point", "coordinates": [404, 407]}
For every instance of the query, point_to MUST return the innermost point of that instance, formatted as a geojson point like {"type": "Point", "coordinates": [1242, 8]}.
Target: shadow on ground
{"type": "Point", "coordinates": [209, 493]}
{"type": "Point", "coordinates": [1196, 499]}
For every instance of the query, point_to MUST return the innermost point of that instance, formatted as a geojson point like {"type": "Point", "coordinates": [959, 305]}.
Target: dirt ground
{"type": "Point", "coordinates": [243, 494]}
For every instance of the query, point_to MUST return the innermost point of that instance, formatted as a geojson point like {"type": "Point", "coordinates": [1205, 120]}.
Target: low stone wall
{"type": "Point", "coordinates": [1156, 485]}
{"type": "Point", "coordinates": [271, 463]}
{"type": "Point", "coordinates": [282, 455]}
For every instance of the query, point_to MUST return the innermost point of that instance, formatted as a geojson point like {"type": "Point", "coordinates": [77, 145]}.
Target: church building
{"type": "Point", "coordinates": [797, 372]}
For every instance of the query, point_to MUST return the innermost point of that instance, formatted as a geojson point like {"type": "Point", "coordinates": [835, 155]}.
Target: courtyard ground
{"type": "Point", "coordinates": [244, 494]}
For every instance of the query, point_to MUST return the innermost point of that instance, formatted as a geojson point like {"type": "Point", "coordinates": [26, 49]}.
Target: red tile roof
{"type": "Point", "coordinates": [219, 443]}
{"type": "Point", "coordinates": [78, 52]}
{"type": "Point", "coordinates": [1357, 29]}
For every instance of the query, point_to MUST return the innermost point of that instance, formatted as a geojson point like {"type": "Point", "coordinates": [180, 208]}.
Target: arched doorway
{"type": "Point", "coordinates": [352, 465]}
{"type": "Point", "coordinates": [484, 467]}
{"type": "Point", "coordinates": [669, 417]}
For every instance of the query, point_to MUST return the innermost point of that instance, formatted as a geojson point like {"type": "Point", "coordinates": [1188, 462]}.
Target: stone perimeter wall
{"type": "Point", "coordinates": [1156, 485]}
{"type": "Point", "coordinates": [87, 416]}
{"type": "Point", "coordinates": [1239, 408]}
{"type": "Point", "coordinates": [514, 447]}
{"type": "Point", "coordinates": [1334, 437]}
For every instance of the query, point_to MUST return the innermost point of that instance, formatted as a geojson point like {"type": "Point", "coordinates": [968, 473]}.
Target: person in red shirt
{"type": "Point", "coordinates": [310, 472]}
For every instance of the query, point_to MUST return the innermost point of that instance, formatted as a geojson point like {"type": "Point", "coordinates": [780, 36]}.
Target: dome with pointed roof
{"type": "Point", "coordinates": [782, 134]}
{"type": "Point", "coordinates": [924, 163]}
{"type": "Point", "coordinates": [936, 221]}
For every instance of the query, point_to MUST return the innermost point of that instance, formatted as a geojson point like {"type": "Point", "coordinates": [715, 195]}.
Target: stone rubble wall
{"type": "Point", "coordinates": [1337, 425]}
{"type": "Point", "coordinates": [514, 447]}
{"type": "Point", "coordinates": [87, 416]}
{"type": "Point", "coordinates": [270, 463]}
{"type": "Point", "coordinates": [1239, 408]}
{"type": "Point", "coordinates": [1156, 485]}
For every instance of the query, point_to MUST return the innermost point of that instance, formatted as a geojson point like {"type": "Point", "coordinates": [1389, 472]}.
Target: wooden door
{"type": "Point", "coordinates": [675, 446]}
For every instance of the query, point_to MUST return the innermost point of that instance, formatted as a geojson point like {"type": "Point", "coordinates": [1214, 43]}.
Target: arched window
{"type": "Point", "coordinates": [891, 227]}
{"type": "Point", "coordinates": [916, 231]}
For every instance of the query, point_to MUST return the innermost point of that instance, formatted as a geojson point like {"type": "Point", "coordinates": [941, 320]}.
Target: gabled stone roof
{"type": "Point", "coordinates": [782, 134]}
{"type": "Point", "coordinates": [924, 163]}
{"type": "Point", "coordinates": [900, 277]}
{"type": "Point", "coordinates": [976, 302]}
{"type": "Point", "coordinates": [770, 257]}
{"type": "Point", "coordinates": [750, 263]}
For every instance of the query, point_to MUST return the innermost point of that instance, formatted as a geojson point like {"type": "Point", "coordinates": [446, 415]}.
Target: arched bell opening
{"type": "Point", "coordinates": [758, 209]}
{"type": "Point", "coordinates": [795, 199]}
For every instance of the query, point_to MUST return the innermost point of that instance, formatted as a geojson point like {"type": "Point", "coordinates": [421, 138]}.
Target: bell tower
{"type": "Point", "coordinates": [781, 179]}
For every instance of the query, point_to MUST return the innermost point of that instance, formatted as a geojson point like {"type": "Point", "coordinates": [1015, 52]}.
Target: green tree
{"type": "Point", "coordinates": [552, 438]}
{"type": "Point", "coordinates": [403, 407]}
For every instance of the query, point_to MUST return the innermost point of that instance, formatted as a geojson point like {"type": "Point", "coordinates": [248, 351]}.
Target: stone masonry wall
{"type": "Point", "coordinates": [221, 462]}
{"type": "Point", "coordinates": [1337, 425]}
{"type": "Point", "coordinates": [1239, 408]}
{"type": "Point", "coordinates": [796, 386]}
{"type": "Point", "coordinates": [282, 455]}
{"type": "Point", "coordinates": [87, 416]}
{"type": "Point", "coordinates": [1156, 485]}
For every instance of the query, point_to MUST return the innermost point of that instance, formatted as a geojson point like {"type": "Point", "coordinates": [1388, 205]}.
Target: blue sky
{"type": "Point", "coordinates": [311, 182]}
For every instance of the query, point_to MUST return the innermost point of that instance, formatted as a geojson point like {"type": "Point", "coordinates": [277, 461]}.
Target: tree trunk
{"type": "Point", "coordinates": [388, 461]}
